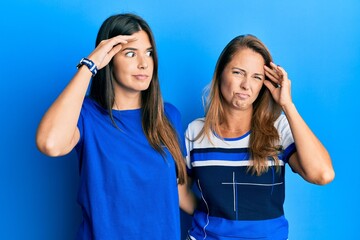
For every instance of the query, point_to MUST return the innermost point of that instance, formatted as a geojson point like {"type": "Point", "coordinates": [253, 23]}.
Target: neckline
{"type": "Point", "coordinates": [234, 138]}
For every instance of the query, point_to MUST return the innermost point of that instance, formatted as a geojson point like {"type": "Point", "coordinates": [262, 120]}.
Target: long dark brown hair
{"type": "Point", "coordinates": [264, 137]}
{"type": "Point", "coordinates": [156, 126]}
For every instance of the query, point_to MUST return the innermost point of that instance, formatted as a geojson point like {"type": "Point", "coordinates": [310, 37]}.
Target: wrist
{"type": "Point", "coordinates": [89, 64]}
{"type": "Point", "coordinates": [288, 107]}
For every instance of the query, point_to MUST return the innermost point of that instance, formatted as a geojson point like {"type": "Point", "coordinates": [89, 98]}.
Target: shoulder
{"type": "Point", "coordinates": [281, 122]}
{"type": "Point", "coordinates": [90, 109]}
{"type": "Point", "coordinates": [173, 115]}
{"type": "Point", "coordinates": [90, 103]}
{"type": "Point", "coordinates": [170, 109]}
{"type": "Point", "coordinates": [195, 126]}
{"type": "Point", "coordinates": [284, 130]}
{"type": "Point", "coordinates": [197, 123]}
{"type": "Point", "coordinates": [87, 106]}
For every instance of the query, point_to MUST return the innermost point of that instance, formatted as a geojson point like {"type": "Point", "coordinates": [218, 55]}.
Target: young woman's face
{"type": "Point", "coordinates": [134, 65]}
{"type": "Point", "coordinates": [242, 79]}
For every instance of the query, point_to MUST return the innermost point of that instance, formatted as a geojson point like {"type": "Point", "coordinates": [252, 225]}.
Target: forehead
{"type": "Point", "coordinates": [246, 58]}
{"type": "Point", "coordinates": [142, 41]}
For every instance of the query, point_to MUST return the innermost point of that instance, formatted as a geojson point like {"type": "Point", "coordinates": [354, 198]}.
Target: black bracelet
{"type": "Point", "coordinates": [90, 64]}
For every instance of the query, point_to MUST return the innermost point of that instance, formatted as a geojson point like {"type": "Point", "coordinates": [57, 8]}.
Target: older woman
{"type": "Point", "coordinates": [237, 153]}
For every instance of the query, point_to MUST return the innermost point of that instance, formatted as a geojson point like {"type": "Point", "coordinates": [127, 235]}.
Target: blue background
{"type": "Point", "coordinates": [317, 42]}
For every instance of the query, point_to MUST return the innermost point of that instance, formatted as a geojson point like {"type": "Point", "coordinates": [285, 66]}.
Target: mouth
{"type": "Point", "coordinates": [141, 76]}
{"type": "Point", "coordinates": [242, 96]}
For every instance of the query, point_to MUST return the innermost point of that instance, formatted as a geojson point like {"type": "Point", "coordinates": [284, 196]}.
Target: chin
{"type": "Point", "coordinates": [242, 106]}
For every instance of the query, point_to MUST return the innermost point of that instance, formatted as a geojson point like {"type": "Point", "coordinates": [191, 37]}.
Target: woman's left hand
{"type": "Point", "coordinates": [278, 84]}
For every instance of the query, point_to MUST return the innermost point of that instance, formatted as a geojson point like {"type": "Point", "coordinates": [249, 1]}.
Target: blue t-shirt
{"type": "Point", "coordinates": [127, 189]}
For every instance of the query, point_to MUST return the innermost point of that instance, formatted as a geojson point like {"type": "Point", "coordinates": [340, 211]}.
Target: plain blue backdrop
{"type": "Point", "coordinates": [317, 42]}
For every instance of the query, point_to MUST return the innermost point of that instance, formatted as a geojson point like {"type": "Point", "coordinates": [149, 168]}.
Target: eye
{"type": "Point", "coordinates": [149, 53]}
{"type": "Point", "coordinates": [236, 72]}
{"type": "Point", "coordinates": [258, 78]}
{"type": "Point", "coordinates": [130, 54]}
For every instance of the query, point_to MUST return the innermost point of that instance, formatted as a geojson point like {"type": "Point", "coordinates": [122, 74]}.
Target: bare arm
{"type": "Point", "coordinates": [187, 198]}
{"type": "Point", "coordinates": [311, 161]}
{"type": "Point", "coordinates": [57, 133]}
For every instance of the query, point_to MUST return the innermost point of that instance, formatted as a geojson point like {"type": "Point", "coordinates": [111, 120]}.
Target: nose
{"type": "Point", "coordinates": [142, 62]}
{"type": "Point", "coordinates": [245, 83]}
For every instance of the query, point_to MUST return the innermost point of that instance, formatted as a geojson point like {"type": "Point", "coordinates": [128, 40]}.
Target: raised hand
{"type": "Point", "coordinates": [278, 84]}
{"type": "Point", "coordinates": [106, 49]}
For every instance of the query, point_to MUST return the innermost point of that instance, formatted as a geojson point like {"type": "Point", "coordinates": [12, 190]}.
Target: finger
{"type": "Point", "coordinates": [106, 49]}
{"type": "Point", "coordinates": [115, 50]}
{"type": "Point", "coordinates": [127, 37]}
{"type": "Point", "coordinates": [271, 72]}
{"type": "Point", "coordinates": [273, 65]}
{"type": "Point", "coordinates": [118, 40]}
{"type": "Point", "coordinates": [271, 75]}
{"type": "Point", "coordinates": [123, 39]}
{"type": "Point", "coordinates": [270, 85]}
{"type": "Point", "coordinates": [276, 69]}
{"type": "Point", "coordinates": [274, 81]}
{"type": "Point", "coordinates": [282, 71]}
{"type": "Point", "coordinates": [117, 43]}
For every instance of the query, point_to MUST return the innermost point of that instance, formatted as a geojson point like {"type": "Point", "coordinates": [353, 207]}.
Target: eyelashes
{"type": "Point", "coordinates": [133, 53]}
{"type": "Point", "coordinates": [242, 74]}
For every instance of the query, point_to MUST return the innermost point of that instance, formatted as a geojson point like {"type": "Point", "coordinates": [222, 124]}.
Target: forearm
{"type": "Point", "coordinates": [313, 160]}
{"type": "Point", "coordinates": [57, 133]}
{"type": "Point", "coordinates": [187, 198]}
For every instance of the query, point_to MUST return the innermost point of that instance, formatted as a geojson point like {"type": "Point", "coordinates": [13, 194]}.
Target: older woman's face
{"type": "Point", "coordinates": [242, 79]}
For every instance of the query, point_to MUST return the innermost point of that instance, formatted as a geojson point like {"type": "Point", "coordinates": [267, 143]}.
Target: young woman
{"type": "Point", "coordinates": [237, 153]}
{"type": "Point", "coordinates": [125, 136]}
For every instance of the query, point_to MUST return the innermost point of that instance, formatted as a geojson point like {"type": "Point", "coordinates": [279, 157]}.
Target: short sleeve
{"type": "Point", "coordinates": [191, 134]}
{"type": "Point", "coordinates": [174, 116]}
{"type": "Point", "coordinates": [286, 137]}
{"type": "Point", "coordinates": [189, 147]}
{"type": "Point", "coordinates": [81, 122]}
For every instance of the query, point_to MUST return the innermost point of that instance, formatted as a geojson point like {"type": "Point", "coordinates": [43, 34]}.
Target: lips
{"type": "Point", "coordinates": [242, 95]}
{"type": "Point", "coordinates": [141, 77]}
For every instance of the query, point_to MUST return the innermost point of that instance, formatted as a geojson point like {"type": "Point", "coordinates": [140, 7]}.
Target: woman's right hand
{"type": "Point", "coordinates": [57, 133]}
{"type": "Point", "coordinates": [106, 49]}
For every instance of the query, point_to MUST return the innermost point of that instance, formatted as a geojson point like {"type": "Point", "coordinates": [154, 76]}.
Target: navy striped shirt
{"type": "Point", "coordinates": [234, 202]}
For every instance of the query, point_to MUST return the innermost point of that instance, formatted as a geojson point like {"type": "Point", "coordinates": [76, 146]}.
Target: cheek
{"type": "Point", "coordinates": [258, 86]}
{"type": "Point", "coordinates": [120, 73]}
{"type": "Point", "coordinates": [226, 90]}
{"type": "Point", "coordinates": [256, 90]}
{"type": "Point", "coordinates": [116, 67]}
{"type": "Point", "coordinates": [227, 83]}
{"type": "Point", "coordinates": [122, 67]}
{"type": "Point", "coordinates": [151, 65]}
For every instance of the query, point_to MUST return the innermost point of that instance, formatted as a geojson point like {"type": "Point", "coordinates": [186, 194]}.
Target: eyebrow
{"type": "Point", "coordinates": [134, 49]}
{"type": "Point", "coordinates": [240, 69]}
{"type": "Point", "coordinates": [259, 74]}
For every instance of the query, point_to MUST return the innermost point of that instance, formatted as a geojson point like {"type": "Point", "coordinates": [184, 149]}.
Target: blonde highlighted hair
{"type": "Point", "coordinates": [264, 137]}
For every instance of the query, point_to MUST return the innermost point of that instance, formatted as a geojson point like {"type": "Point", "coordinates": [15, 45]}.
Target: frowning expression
{"type": "Point", "coordinates": [242, 79]}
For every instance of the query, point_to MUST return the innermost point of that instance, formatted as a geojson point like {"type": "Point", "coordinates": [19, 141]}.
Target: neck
{"type": "Point", "coordinates": [235, 123]}
{"type": "Point", "coordinates": [127, 102]}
